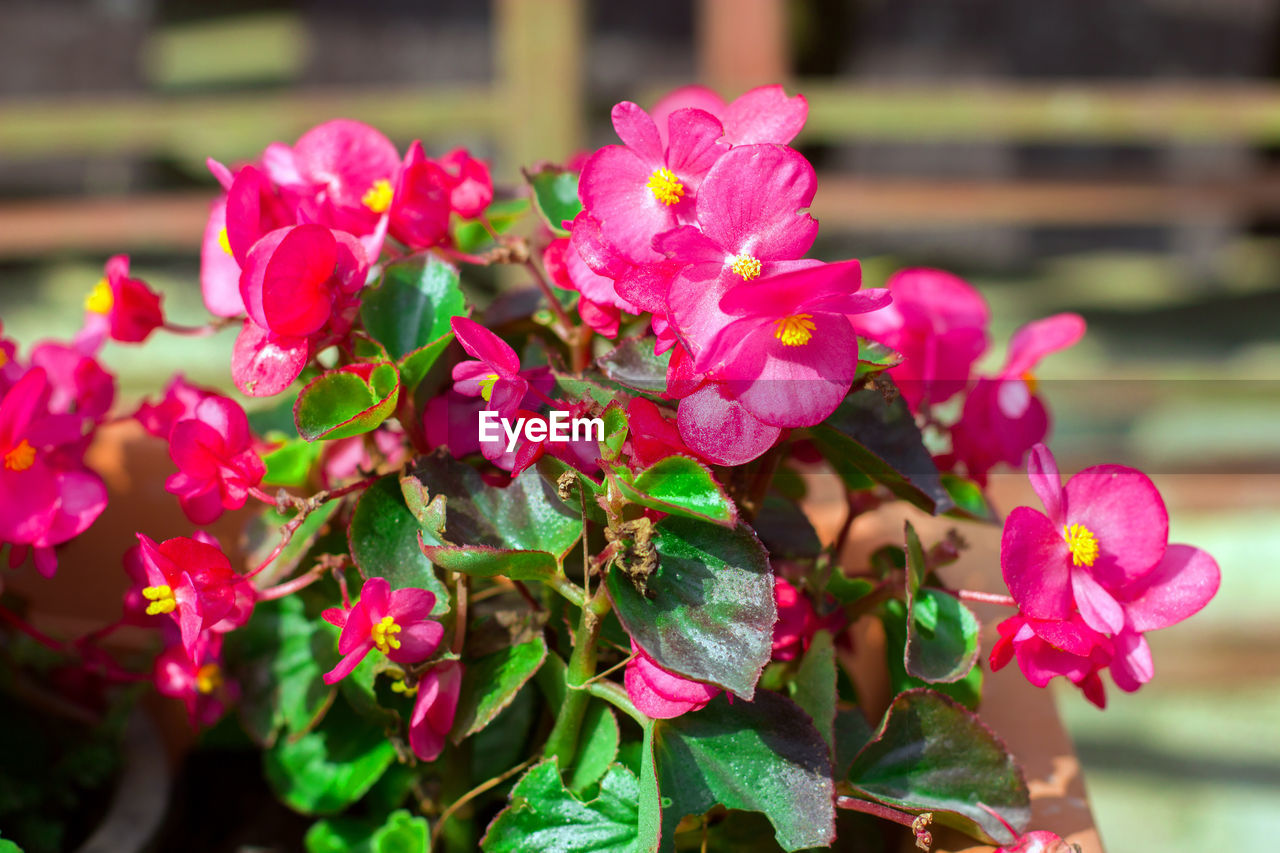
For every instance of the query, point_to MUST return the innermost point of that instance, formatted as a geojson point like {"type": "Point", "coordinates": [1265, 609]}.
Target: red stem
{"type": "Point", "coordinates": [289, 587]}
{"type": "Point", "coordinates": [853, 804]}
{"type": "Point", "coordinates": [984, 597]}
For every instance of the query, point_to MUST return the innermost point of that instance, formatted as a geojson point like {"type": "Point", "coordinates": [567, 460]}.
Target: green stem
{"type": "Point", "coordinates": [563, 741]}
{"type": "Point", "coordinates": [615, 695]}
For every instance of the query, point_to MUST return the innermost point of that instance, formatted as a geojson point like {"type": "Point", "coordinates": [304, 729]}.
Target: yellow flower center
{"type": "Point", "coordinates": [100, 300]}
{"type": "Point", "coordinates": [666, 187]}
{"type": "Point", "coordinates": [1032, 382]}
{"type": "Point", "coordinates": [378, 196]}
{"type": "Point", "coordinates": [795, 330]}
{"type": "Point", "coordinates": [21, 457]}
{"type": "Point", "coordinates": [223, 242]}
{"type": "Point", "coordinates": [4, 358]}
{"type": "Point", "coordinates": [161, 598]}
{"type": "Point", "coordinates": [746, 266]}
{"type": "Point", "coordinates": [208, 678]}
{"type": "Point", "coordinates": [398, 686]}
{"type": "Point", "coordinates": [1083, 544]}
{"type": "Point", "coordinates": [384, 634]}
{"type": "Point", "coordinates": [486, 386]}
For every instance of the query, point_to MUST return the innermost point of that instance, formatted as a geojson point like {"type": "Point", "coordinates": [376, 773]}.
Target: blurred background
{"type": "Point", "coordinates": [1119, 158]}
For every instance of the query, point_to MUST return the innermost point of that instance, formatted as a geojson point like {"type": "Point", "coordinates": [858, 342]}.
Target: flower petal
{"type": "Point", "coordinates": [1123, 509]}
{"type": "Point", "coordinates": [1042, 471]}
{"type": "Point", "coordinates": [1178, 587]}
{"type": "Point", "coordinates": [1098, 608]}
{"type": "Point", "coordinates": [1036, 564]}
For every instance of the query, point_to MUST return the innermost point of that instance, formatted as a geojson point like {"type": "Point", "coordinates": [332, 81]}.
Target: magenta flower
{"type": "Point", "coordinates": [178, 403]}
{"type": "Point", "coordinates": [798, 621]}
{"type": "Point", "coordinates": [715, 424]}
{"type": "Point", "coordinates": [79, 387]}
{"type": "Point", "coordinates": [1003, 418]}
{"type": "Point", "coordinates": [396, 623]}
{"type": "Point", "coordinates": [47, 495]}
{"type": "Point", "coordinates": [651, 435]}
{"type": "Point", "coordinates": [434, 709]}
{"type": "Point", "coordinates": [938, 322]}
{"type": "Point", "coordinates": [1046, 648]}
{"type": "Point", "coordinates": [764, 114]}
{"type": "Point", "coordinates": [660, 694]}
{"type": "Point", "coordinates": [197, 679]}
{"type": "Point", "coordinates": [126, 309]}
{"type": "Point", "coordinates": [420, 207]}
{"type": "Point", "coordinates": [598, 304]}
{"type": "Point", "coordinates": [190, 580]}
{"type": "Point", "coordinates": [470, 187]}
{"type": "Point", "coordinates": [217, 464]}
{"type": "Point", "coordinates": [495, 375]}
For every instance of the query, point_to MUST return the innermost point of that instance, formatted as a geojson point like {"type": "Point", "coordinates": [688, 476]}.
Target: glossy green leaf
{"type": "Point", "coordinates": [469, 235]}
{"type": "Point", "coordinates": [384, 542]}
{"type": "Point", "coordinates": [852, 731]}
{"type": "Point", "coordinates": [874, 358]}
{"type": "Point", "coordinates": [967, 691]}
{"type": "Point", "coordinates": [633, 364]}
{"type": "Point", "coordinates": [709, 611]}
{"type": "Point", "coordinates": [291, 462]}
{"type": "Point", "coordinates": [868, 436]}
{"type": "Point", "coordinates": [762, 756]}
{"type": "Point", "coordinates": [401, 832]}
{"type": "Point", "coordinates": [785, 530]}
{"type": "Point", "coordinates": [970, 501]}
{"type": "Point", "coordinates": [330, 767]}
{"type": "Point", "coordinates": [481, 562]}
{"type": "Point", "coordinates": [681, 486]}
{"type": "Point", "coordinates": [615, 432]}
{"type": "Point", "coordinates": [544, 815]}
{"type": "Point", "coordinates": [848, 590]}
{"type": "Point", "coordinates": [815, 685]}
{"type": "Point", "coordinates": [932, 754]}
{"type": "Point", "coordinates": [409, 312]}
{"type": "Point", "coordinates": [349, 401]}
{"type": "Point", "coordinates": [555, 194]}
{"type": "Point", "coordinates": [491, 682]}
{"type": "Point", "coordinates": [597, 747]}
{"type": "Point", "coordinates": [942, 633]}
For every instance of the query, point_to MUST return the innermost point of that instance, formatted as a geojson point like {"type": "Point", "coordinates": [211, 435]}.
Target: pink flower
{"type": "Point", "coordinates": [1046, 648]}
{"type": "Point", "coordinates": [396, 623]}
{"type": "Point", "coordinates": [179, 403]}
{"type": "Point", "coordinates": [47, 496]}
{"type": "Point", "coordinates": [250, 209]}
{"type": "Point", "coordinates": [470, 187]}
{"type": "Point", "coordinates": [660, 694]}
{"type": "Point", "coordinates": [217, 464]}
{"type": "Point", "coordinates": [1003, 417]}
{"type": "Point", "coordinates": [764, 114]}
{"type": "Point", "coordinates": [495, 375]}
{"type": "Point", "coordinates": [192, 581]}
{"type": "Point", "coordinates": [126, 308]}
{"type": "Point", "coordinates": [78, 385]}
{"type": "Point", "coordinates": [798, 621]}
{"type": "Point", "coordinates": [938, 322]}
{"type": "Point", "coordinates": [598, 303]}
{"type": "Point", "coordinates": [651, 435]}
{"type": "Point", "coordinates": [421, 206]}
{"type": "Point", "coordinates": [434, 709]}
{"type": "Point", "coordinates": [197, 679]}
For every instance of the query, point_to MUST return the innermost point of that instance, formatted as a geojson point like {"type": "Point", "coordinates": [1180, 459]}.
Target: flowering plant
{"type": "Point", "coordinates": [553, 638]}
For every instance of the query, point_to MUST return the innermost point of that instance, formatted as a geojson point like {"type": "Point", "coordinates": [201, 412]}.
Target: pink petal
{"type": "Point", "coordinates": [694, 145]}
{"type": "Point", "coordinates": [696, 97]}
{"type": "Point", "coordinates": [637, 131]}
{"type": "Point", "coordinates": [1039, 338]}
{"type": "Point", "coordinates": [418, 641]}
{"type": "Point", "coordinates": [219, 272]}
{"type": "Point", "coordinates": [296, 297]}
{"type": "Point", "coordinates": [1178, 587]}
{"type": "Point", "coordinates": [613, 186]}
{"type": "Point", "coordinates": [1132, 666]}
{"type": "Point", "coordinates": [720, 428]}
{"type": "Point", "coordinates": [356, 631]}
{"type": "Point", "coordinates": [1124, 510]}
{"type": "Point", "coordinates": [1042, 471]}
{"type": "Point", "coordinates": [348, 663]}
{"type": "Point", "coordinates": [1036, 564]}
{"type": "Point", "coordinates": [483, 344]}
{"type": "Point", "coordinates": [411, 604]}
{"type": "Point", "coordinates": [1098, 608]}
{"type": "Point", "coordinates": [263, 365]}
{"type": "Point", "coordinates": [764, 114]}
{"type": "Point", "coordinates": [375, 595]}
{"type": "Point", "coordinates": [750, 202]}
{"type": "Point", "coordinates": [800, 285]}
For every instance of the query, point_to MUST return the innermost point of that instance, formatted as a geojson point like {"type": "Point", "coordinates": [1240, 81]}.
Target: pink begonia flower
{"type": "Point", "coordinates": [250, 209]}
{"type": "Point", "coordinates": [396, 623]}
{"type": "Point", "coordinates": [471, 188]}
{"type": "Point", "coordinates": [495, 376]}
{"type": "Point", "coordinates": [341, 174]}
{"type": "Point", "coordinates": [763, 114]}
{"type": "Point", "coordinates": [1046, 648]}
{"type": "Point", "coordinates": [217, 464]}
{"type": "Point", "coordinates": [47, 496]}
{"type": "Point", "coordinates": [641, 188]}
{"type": "Point", "coordinates": [196, 678]}
{"type": "Point", "coordinates": [651, 435]}
{"type": "Point", "coordinates": [719, 428]}
{"type": "Point", "coordinates": [78, 385]}
{"type": "Point", "coordinates": [660, 694]}
{"type": "Point", "coordinates": [1003, 418]}
{"type": "Point", "coordinates": [434, 709]}
{"type": "Point", "coordinates": [938, 322]}
{"type": "Point", "coordinates": [345, 458]}
{"type": "Point", "coordinates": [582, 454]}
{"type": "Point", "coordinates": [420, 205]}
{"type": "Point", "coordinates": [568, 271]}
{"type": "Point", "coordinates": [798, 621]}
{"type": "Point", "coordinates": [192, 581]}
{"type": "Point", "coordinates": [124, 308]}
{"type": "Point", "coordinates": [178, 403]}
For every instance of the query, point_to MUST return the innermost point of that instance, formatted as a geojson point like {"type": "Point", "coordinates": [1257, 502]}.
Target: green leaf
{"type": "Point", "coordinates": [329, 768]}
{"type": "Point", "coordinates": [262, 535]}
{"type": "Point", "coordinates": [597, 747]}
{"type": "Point", "coordinates": [290, 463]}
{"type": "Point", "coordinates": [868, 436]}
{"type": "Point", "coordinates": [967, 691]}
{"type": "Point", "coordinates": [633, 364]}
{"type": "Point", "coordinates": [555, 195]}
{"type": "Point", "coordinates": [384, 542]}
{"type": "Point", "coordinates": [681, 486]}
{"type": "Point", "coordinates": [815, 685]}
{"type": "Point", "coordinates": [491, 682]}
{"type": "Point", "coordinates": [349, 401]}
{"type": "Point", "coordinates": [852, 733]}
{"type": "Point", "coordinates": [848, 590]}
{"type": "Point", "coordinates": [932, 754]}
{"type": "Point", "coordinates": [763, 756]}
{"type": "Point", "coordinates": [785, 530]}
{"type": "Point", "coordinates": [482, 529]}
{"type": "Point", "coordinates": [276, 659]}
{"type": "Point", "coordinates": [400, 833]}
{"type": "Point", "coordinates": [544, 815]}
{"type": "Point", "coordinates": [409, 313]}
{"type": "Point", "coordinates": [710, 611]}
{"type": "Point", "coordinates": [469, 235]}
{"type": "Point", "coordinates": [942, 633]}
{"type": "Point", "coordinates": [615, 432]}
{"type": "Point", "coordinates": [874, 358]}
{"type": "Point", "coordinates": [970, 501]}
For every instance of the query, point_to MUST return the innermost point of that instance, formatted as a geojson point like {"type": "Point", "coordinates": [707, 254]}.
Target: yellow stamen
{"type": "Point", "coordinates": [403, 689]}
{"type": "Point", "coordinates": [223, 241]}
{"type": "Point", "coordinates": [100, 300]}
{"type": "Point", "coordinates": [746, 266]}
{"type": "Point", "coordinates": [378, 196]}
{"type": "Point", "coordinates": [4, 358]}
{"type": "Point", "coordinates": [208, 678]}
{"type": "Point", "coordinates": [486, 386]}
{"type": "Point", "coordinates": [161, 598]}
{"type": "Point", "coordinates": [21, 457]}
{"type": "Point", "coordinates": [384, 634]}
{"type": "Point", "coordinates": [1032, 382]}
{"type": "Point", "coordinates": [1083, 544]}
{"type": "Point", "coordinates": [795, 330]}
{"type": "Point", "coordinates": [666, 187]}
